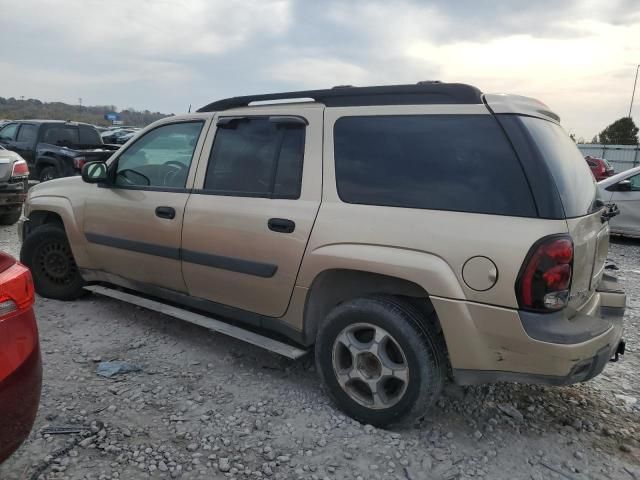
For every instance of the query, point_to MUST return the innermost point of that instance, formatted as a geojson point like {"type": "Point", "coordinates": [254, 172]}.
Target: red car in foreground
{"type": "Point", "coordinates": [20, 364]}
{"type": "Point", "coordinates": [600, 168]}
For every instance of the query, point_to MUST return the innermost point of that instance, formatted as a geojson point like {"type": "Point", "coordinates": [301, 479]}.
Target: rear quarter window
{"type": "Point", "coordinates": [443, 162]}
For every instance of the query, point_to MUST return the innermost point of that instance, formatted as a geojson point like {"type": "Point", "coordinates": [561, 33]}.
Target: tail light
{"type": "Point", "coordinates": [78, 162]}
{"type": "Point", "coordinates": [18, 331]}
{"type": "Point", "coordinates": [544, 282]}
{"type": "Point", "coordinates": [20, 169]}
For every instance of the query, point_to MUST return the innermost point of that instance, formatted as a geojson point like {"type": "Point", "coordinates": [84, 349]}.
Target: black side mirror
{"type": "Point", "coordinates": [95, 172]}
{"type": "Point", "coordinates": [624, 186]}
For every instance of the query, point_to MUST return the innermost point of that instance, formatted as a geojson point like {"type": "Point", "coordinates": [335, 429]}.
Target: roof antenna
{"type": "Point", "coordinates": [189, 109]}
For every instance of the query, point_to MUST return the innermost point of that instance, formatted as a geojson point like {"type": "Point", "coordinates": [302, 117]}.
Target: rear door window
{"type": "Point", "coordinates": [574, 181]}
{"type": "Point", "coordinates": [27, 133]}
{"type": "Point", "coordinates": [256, 157]}
{"type": "Point", "coordinates": [443, 162]}
{"type": "Point", "coordinates": [61, 135]}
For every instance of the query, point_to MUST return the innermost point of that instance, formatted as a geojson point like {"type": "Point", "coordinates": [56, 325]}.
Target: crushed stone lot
{"type": "Point", "coordinates": [207, 406]}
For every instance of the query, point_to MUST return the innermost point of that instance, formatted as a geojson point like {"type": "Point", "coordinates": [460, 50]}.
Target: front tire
{"type": "Point", "coordinates": [381, 365]}
{"type": "Point", "coordinates": [10, 217]}
{"type": "Point", "coordinates": [47, 253]}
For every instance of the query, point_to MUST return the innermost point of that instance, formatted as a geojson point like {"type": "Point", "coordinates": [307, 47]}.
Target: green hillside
{"type": "Point", "coordinates": [12, 108]}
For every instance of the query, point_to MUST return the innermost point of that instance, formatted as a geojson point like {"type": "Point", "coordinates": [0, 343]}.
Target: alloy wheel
{"type": "Point", "coordinates": [370, 365]}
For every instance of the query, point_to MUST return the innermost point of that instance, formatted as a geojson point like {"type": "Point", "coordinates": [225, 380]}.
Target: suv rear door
{"type": "Point", "coordinates": [249, 218]}
{"type": "Point", "coordinates": [133, 224]}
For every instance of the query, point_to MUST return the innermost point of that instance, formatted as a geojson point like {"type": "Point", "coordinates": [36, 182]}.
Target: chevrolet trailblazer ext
{"type": "Point", "coordinates": [411, 233]}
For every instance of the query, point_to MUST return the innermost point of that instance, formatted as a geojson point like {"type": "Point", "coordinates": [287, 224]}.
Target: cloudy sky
{"type": "Point", "coordinates": [579, 57]}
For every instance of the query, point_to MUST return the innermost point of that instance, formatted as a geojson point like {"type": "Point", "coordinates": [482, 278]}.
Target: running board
{"type": "Point", "coordinates": [253, 338]}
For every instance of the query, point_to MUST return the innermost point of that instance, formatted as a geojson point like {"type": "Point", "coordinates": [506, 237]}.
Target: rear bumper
{"type": "Point", "coordinates": [19, 400]}
{"type": "Point", "coordinates": [13, 194]}
{"type": "Point", "coordinates": [492, 344]}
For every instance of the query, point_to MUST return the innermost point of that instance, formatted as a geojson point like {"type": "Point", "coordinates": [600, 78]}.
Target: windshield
{"type": "Point", "coordinates": [574, 181]}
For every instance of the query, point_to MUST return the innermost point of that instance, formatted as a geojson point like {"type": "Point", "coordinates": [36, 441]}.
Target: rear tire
{"type": "Point", "coordinates": [49, 173]}
{"type": "Point", "coordinates": [381, 365]}
{"type": "Point", "coordinates": [47, 253]}
{"type": "Point", "coordinates": [10, 217]}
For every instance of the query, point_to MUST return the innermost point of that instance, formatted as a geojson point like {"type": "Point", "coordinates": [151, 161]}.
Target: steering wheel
{"type": "Point", "coordinates": [170, 175]}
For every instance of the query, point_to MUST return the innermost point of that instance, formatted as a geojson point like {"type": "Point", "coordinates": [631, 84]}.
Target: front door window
{"type": "Point", "coordinates": [160, 158]}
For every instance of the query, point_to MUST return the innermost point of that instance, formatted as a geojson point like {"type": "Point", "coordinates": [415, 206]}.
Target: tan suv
{"type": "Point", "coordinates": [411, 233]}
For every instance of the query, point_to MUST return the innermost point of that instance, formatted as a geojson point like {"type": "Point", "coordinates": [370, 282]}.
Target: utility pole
{"type": "Point", "coordinates": [80, 104]}
{"type": "Point", "coordinates": [634, 90]}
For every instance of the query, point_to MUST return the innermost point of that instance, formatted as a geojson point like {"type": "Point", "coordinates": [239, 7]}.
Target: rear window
{"type": "Point", "coordinates": [574, 181]}
{"type": "Point", "coordinates": [444, 162]}
{"type": "Point", "coordinates": [89, 136]}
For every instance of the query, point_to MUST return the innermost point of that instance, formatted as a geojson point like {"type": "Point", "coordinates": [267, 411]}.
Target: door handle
{"type": "Point", "coordinates": [281, 225]}
{"type": "Point", "coordinates": [165, 212]}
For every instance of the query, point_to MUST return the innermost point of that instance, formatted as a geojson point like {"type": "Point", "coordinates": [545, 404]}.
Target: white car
{"type": "Point", "coordinates": [623, 189]}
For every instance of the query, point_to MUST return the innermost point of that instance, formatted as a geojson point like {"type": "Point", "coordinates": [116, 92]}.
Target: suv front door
{"type": "Point", "coordinates": [249, 218]}
{"type": "Point", "coordinates": [26, 142]}
{"type": "Point", "coordinates": [628, 201]}
{"type": "Point", "coordinates": [133, 224]}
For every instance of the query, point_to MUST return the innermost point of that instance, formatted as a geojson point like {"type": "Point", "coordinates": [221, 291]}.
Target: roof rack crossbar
{"type": "Point", "coordinates": [414, 94]}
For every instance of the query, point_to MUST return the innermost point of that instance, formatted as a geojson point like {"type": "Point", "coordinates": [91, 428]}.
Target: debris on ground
{"type": "Point", "coordinates": [116, 367]}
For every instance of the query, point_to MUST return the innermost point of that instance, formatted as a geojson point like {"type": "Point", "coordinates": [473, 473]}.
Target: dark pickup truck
{"type": "Point", "coordinates": [54, 148]}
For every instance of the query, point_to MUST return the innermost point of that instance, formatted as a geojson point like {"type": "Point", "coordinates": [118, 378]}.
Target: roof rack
{"type": "Point", "coordinates": [422, 93]}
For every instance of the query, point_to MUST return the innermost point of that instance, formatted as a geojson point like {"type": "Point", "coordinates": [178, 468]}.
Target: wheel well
{"type": "Point", "coordinates": [43, 163]}
{"type": "Point", "coordinates": [41, 217]}
{"type": "Point", "coordinates": [333, 287]}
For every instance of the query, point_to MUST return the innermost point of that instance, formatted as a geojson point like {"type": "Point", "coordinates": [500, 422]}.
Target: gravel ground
{"type": "Point", "coordinates": [207, 406]}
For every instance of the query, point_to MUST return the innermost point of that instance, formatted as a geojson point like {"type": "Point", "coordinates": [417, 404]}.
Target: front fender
{"type": "Point", "coordinates": [62, 207]}
{"type": "Point", "coordinates": [429, 271]}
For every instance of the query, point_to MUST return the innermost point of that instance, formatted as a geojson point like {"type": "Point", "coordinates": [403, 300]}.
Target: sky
{"type": "Point", "coordinates": [578, 57]}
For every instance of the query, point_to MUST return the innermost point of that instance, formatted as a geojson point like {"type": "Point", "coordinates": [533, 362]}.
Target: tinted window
{"type": "Point", "coordinates": [256, 157]}
{"type": "Point", "coordinates": [89, 136]}
{"type": "Point", "coordinates": [635, 183]}
{"type": "Point", "coordinates": [160, 158]}
{"type": "Point", "coordinates": [62, 135]}
{"type": "Point", "coordinates": [9, 131]}
{"type": "Point", "coordinates": [574, 181]}
{"type": "Point", "coordinates": [27, 133]}
{"type": "Point", "coordinates": [444, 162]}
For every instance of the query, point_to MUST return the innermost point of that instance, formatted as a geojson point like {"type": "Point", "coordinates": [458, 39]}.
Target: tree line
{"type": "Point", "coordinates": [14, 109]}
